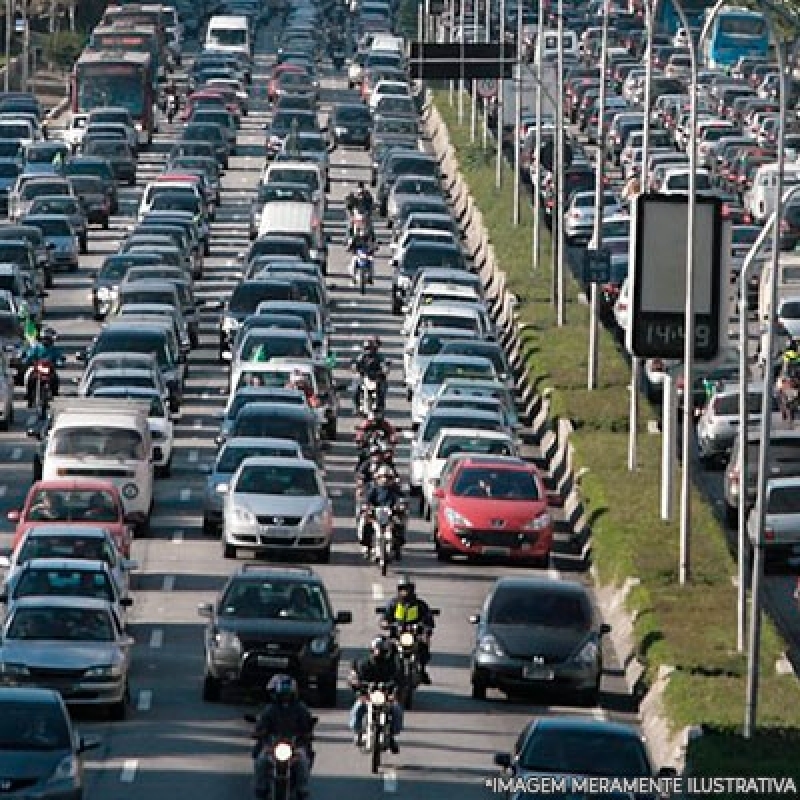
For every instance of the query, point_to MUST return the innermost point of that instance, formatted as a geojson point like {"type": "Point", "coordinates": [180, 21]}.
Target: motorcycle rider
{"type": "Point", "coordinates": [173, 104]}
{"type": "Point", "coordinates": [284, 716]}
{"type": "Point", "coordinates": [361, 200]}
{"type": "Point", "coordinates": [299, 380]}
{"type": "Point", "coordinates": [362, 259]}
{"type": "Point", "coordinates": [381, 666]}
{"type": "Point", "coordinates": [42, 349]}
{"type": "Point", "coordinates": [368, 469]}
{"type": "Point", "coordinates": [375, 423]}
{"type": "Point", "coordinates": [385, 491]}
{"type": "Point", "coordinates": [359, 240]}
{"type": "Point", "coordinates": [406, 607]}
{"type": "Point", "coordinates": [370, 364]}
{"type": "Point", "coordinates": [791, 355]}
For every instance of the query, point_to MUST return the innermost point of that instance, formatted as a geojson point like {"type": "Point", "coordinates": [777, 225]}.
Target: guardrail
{"type": "Point", "coordinates": [549, 437]}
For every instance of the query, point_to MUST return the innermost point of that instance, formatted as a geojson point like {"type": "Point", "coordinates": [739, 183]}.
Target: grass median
{"type": "Point", "coordinates": [690, 628]}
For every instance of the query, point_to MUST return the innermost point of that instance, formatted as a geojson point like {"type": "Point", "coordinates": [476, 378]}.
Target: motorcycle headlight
{"type": "Point", "coordinates": [491, 646]}
{"type": "Point", "coordinates": [406, 639]}
{"type": "Point", "coordinates": [456, 520]}
{"type": "Point", "coordinates": [244, 517]}
{"type": "Point", "coordinates": [539, 523]}
{"type": "Point", "coordinates": [227, 640]}
{"type": "Point", "coordinates": [104, 293]}
{"type": "Point", "coordinates": [103, 672]}
{"type": "Point", "coordinates": [377, 698]}
{"type": "Point", "coordinates": [587, 654]}
{"type": "Point", "coordinates": [66, 770]}
{"type": "Point", "coordinates": [282, 752]}
{"type": "Point", "coordinates": [319, 646]}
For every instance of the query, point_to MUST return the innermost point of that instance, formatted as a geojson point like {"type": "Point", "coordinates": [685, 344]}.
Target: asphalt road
{"type": "Point", "coordinates": [173, 741]}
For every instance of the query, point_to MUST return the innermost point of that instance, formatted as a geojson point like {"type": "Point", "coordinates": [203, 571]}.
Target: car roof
{"type": "Point", "coordinates": [25, 694]}
{"type": "Point", "coordinates": [499, 462]}
{"type": "Point", "coordinates": [88, 603]}
{"type": "Point", "coordinates": [547, 584]}
{"type": "Point", "coordinates": [259, 441]}
{"type": "Point", "coordinates": [280, 573]}
{"type": "Point", "coordinates": [278, 461]}
{"type": "Point", "coordinates": [82, 564]}
{"type": "Point", "coordinates": [277, 409]}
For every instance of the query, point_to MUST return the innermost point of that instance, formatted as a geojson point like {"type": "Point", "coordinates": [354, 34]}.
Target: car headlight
{"type": "Point", "coordinates": [319, 646]}
{"type": "Point", "coordinates": [12, 670]}
{"type": "Point", "coordinates": [455, 519]}
{"type": "Point", "coordinates": [244, 517]}
{"type": "Point", "coordinates": [317, 519]}
{"type": "Point", "coordinates": [113, 671]}
{"type": "Point", "coordinates": [230, 324]}
{"type": "Point", "coordinates": [489, 645]}
{"type": "Point", "coordinates": [587, 654]}
{"type": "Point", "coordinates": [539, 523]}
{"type": "Point", "coordinates": [227, 640]}
{"type": "Point", "coordinates": [67, 770]}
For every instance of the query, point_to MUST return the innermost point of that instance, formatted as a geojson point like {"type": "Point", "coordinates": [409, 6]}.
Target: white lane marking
{"type": "Point", "coordinates": [198, 423]}
{"type": "Point", "coordinates": [3, 490]}
{"type": "Point", "coordinates": [16, 454]}
{"type": "Point", "coordinates": [145, 702]}
{"type": "Point", "coordinates": [553, 574]}
{"type": "Point", "coordinates": [377, 591]}
{"type": "Point", "coordinates": [390, 781]}
{"type": "Point", "coordinates": [128, 773]}
{"type": "Point", "coordinates": [169, 583]}
{"type": "Point", "coordinates": [177, 537]}
{"type": "Point", "coordinates": [193, 456]}
{"type": "Point", "coordinates": [355, 324]}
{"type": "Point", "coordinates": [156, 639]}
{"type": "Point", "coordinates": [186, 495]}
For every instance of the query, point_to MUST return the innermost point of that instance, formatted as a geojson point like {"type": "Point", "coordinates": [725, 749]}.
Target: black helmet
{"type": "Point", "coordinates": [405, 584]}
{"type": "Point", "coordinates": [381, 647]}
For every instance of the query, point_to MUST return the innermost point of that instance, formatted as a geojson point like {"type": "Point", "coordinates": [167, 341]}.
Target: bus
{"type": "Point", "coordinates": [135, 15]}
{"type": "Point", "coordinates": [667, 19]}
{"type": "Point", "coordinates": [124, 39]}
{"type": "Point", "coordinates": [734, 33]}
{"type": "Point", "coordinates": [103, 79]}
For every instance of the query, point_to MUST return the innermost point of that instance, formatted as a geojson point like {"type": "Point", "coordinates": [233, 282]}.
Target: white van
{"type": "Point", "coordinates": [229, 34]}
{"type": "Point", "coordinates": [296, 219]}
{"type": "Point", "coordinates": [760, 201]}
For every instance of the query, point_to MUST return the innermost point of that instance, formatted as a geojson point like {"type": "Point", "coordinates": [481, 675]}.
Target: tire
{"type": "Point", "coordinates": [37, 468]}
{"type": "Point", "coordinates": [324, 556]}
{"type": "Point", "coordinates": [143, 529]}
{"type": "Point", "coordinates": [441, 553]}
{"type": "Point", "coordinates": [165, 470]}
{"type": "Point", "coordinates": [362, 281]}
{"type": "Point", "coordinates": [212, 690]}
{"type": "Point", "coordinates": [731, 515]}
{"type": "Point", "coordinates": [210, 528]}
{"type": "Point", "coordinates": [479, 685]}
{"type": "Point", "coordinates": [588, 698]}
{"type": "Point", "coordinates": [228, 551]}
{"type": "Point", "coordinates": [375, 752]}
{"type": "Point", "coordinates": [84, 246]}
{"type": "Point", "coordinates": [327, 693]}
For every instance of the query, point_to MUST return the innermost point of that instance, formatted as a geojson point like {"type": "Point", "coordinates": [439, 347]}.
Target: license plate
{"type": "Point", "coordinates": [247, 553]}
{"type": "Point", "coordinates": [273, 661]}
{"type": "Point", "coordinates": [538, 673]}
{"type": "Point", "coordinates": [276, 530]}
{"type": "Point", "coordinates": [497, 552]}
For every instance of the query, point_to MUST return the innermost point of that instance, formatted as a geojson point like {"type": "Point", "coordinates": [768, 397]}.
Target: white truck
{"type": "Point", "coordinates": [788, 286]}
{"type": "Point", "coordinates": [108, 439]}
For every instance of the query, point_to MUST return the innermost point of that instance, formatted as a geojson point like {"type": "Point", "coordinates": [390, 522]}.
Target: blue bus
{"type": "Point", "coordinates": [734, 33]}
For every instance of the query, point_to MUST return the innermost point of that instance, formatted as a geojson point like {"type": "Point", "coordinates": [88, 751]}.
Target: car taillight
{"type": "Point", "coordinates": [769, 535]}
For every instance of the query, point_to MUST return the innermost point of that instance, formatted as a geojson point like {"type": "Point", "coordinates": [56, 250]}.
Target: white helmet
{"type": "Point", "coordinates": [384, 472]}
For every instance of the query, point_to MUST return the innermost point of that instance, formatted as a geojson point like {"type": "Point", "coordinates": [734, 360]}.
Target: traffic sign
{"type": "Point", "coordinates": [19, 24]}
{"type": "Point", "coordinates": [469, 61]}
{"type": "Point", "coordinates": [597, 265]}
{"type": "Point", "coordinates": [487, 87]}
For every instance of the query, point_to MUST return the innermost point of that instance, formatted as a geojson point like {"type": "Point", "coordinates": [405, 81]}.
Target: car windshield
{"type": "Point", "coordinates": [262, 347]}
{"type": "Point", "coordinates": [728, 404]}
{"type": "Point", "coordinates": [455, 420]}
{"type": "Point", "coordinates": [473, 444]}
{"type": "Point", "coordinates": [157, 409]}
{"type": "Point", "coordinates": [231, 457]}
{"type": "Point", "coordinates": [172, 201]}
{"type": "Point", "coordinates": [53, 227]}
{"type": "Point", "coordinates": [583, 752]}
{"type": "Point", "coordinates": [269, 193]}
{"type": "Point", "coordinates": [481, 350]}
{"type": "Point", "coordinates": [437, 373]}
{"type": "Point", "coordinates": [53, 505]}
{"type": "Point", "coordinates": [496, 484]}
{"type": "Point", "coordinates": [430, 344]}
{"type": "Point", "coordinates": [60, 625]}
{"type": "Point", "coordinates": [64, 583]}
{"type": "Point", "coordinates": [547, 608]}
{"type": "Point", "coordinates": [159, 297]}
{"type": "Point", "coordinates": [129, 341]}
{"type": "Point", "coordinates": [33, 726]}
{"type": "Point", "coordinates": [418, 257]}
{"type": "Point", "coordinates": [790, 310]}
{"type": "Point", "coordinates": [248, 598]}
{"type": "Point", "coordinates": [90, 548]}
{"type": "Point", "coordinates": [57, 205]}
{"type": "Point", "coordinates": [308, 177]}
{"type": "Point", "coordinates": [447, 321]}
{"type": "Point", "coordinates": [247, 297]}
{"type": "Point", "coordinates": [98, 442]}
{"type": "Point", "coordinates": [33, 189]}
{"type": "Point", "coordinates": [352, 114]}
{"type": "Point", "coordinates": [109, 148]}
{"type": "Point", "coordinates": [278, 480]}
{"type": "Point", "coordinates": [84, 184]}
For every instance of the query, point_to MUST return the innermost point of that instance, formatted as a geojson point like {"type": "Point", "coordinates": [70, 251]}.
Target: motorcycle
{"type": "Point", "coordinates": [385, 541]}
{"type": "Point", "coordinates": [370, 399]}
{"type": "Point", "coordinates": [42, 394]}
{"type": "Point", "coordinates": [172, 108]}
{"type": "Point", "coordinates": [379, 721]}
{"type": "Point", "coordinates": [284, 754]}
{"type": "Point", "coordinates": [362, 269]}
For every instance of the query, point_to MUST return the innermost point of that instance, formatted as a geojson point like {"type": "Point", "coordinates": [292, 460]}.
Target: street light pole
{"type": "Point", "coordinates": [536, 175]}
{"type": "Point", "coordinates": [9, 28]}
{"type": "Point", "coordinates": [498, 176]}
{"type": "Point", "coordinates": [558, 214]}
{"type": "Point", "coordinates": [599, 199]}
{"type": "Point", "coordinates": [473, 85]}
{"type": "Point", "coordinates": [488, 38]}
{"type": "Point", "coordinates": [518, 117]}
{"type": "Point", "coordinates": [26, 46]}
{"type": "Point", "coordinates": [461, 86]}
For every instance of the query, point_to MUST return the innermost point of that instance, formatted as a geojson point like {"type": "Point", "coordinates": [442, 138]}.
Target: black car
{"type": "Point", "coordinates": [111, 275]}
{"type": "Point", "coordinates": [94, 167]}
{"type": "Point", "coordinates": [119, 155]}
{"type": "Point", "coordinates": [256, 630]}
{"type": "Point", "coordinates": [213, 134]}
{"type": "Point", "coordinates": [534, 633]}
{"type": "Point", "coordinates": [350, 124]}
{"type": "Point", "coordinates": [10, 169]}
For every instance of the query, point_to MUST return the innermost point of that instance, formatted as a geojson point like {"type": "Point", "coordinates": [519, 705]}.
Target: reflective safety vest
{"type": "Point", "coordinates": [404, 613]}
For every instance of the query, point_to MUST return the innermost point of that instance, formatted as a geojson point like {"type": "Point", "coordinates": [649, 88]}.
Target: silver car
{"type": "Point", "coordinates": [71, 208]}
{"type": "Point", "coordinates": [61, 237]}
{"type": "Point", "coordinates": [579, 215]}
{"type": "Point", "coordinates": [277, 504]}
{"type": "Point", "coordinates": [410, 187]}
{"type": "Point", "coordinates": [782, 503]}
{"type": "Point", "coordinates": [428, 345]}
{"type": "Point", "coordinates": [75, 645]}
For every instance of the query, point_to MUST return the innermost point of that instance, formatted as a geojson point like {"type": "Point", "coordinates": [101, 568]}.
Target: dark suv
{"type": "Point", "coordinates": [271, 620]}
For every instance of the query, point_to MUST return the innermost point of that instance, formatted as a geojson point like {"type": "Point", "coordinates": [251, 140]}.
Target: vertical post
{"type": "Point", "coordinates": [754, 645]}
{"type": "Point", "coordinates": [518, 116]}
{"type": "Point", "coordinates": [9, 29]}
{"type": "Point", "coordinates": [473, 84]}
{"type": "Point", "coordinates": [689, 322]}
{"type": "Point", "coordinates": [668, 448]}
{"type": "Point", "coordinates": [537, 162]}
{"type": "Point", "coordinates": [486, 100]}
{"type": "Point", "coordinates": [558, 214]}
{"type": "Point", "coordinates": [26, 47]}
{"type": "Point", "coordinates": [450, 29]}
{"type": "Point", "coordinates": [599, 199]}
{"type": "Point", "coordinates": [461, 84]}
{"type": "Point", "coordinates": [501, 112]}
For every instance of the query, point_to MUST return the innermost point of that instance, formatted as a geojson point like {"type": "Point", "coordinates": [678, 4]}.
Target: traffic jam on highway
{"type": "Point", "coordinates": [273, 440]}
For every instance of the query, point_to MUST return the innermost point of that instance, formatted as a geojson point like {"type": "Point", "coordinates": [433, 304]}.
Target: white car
{"type": "Point", "coordinates": [429, 345]}
{"type": "Point", "coordinates": [155, 188]}
{"type": "Point", "coordinates": [437, 293]}
{"type": "Point", "coordinates": [386, 88]}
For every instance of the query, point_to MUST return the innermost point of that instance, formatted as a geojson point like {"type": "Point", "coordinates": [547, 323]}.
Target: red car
{"type": "Point", "coordinates": [494, 507]}
{"type": "Point", "coordinates": [70, 501]}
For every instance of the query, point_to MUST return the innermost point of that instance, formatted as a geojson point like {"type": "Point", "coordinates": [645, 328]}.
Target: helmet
{"type": "Point", "coordinates": [381, 647]}
{"type": "Point", "coordinates": [47, 339]}
{"type": "Point", "coordinates": [282, 687]}
{"type": "Point", "coordinates": [405, 584]}
{"type": "Point", "coordinates": [385, 472]}
{"type": "Point", "coordinates": [370, 344]}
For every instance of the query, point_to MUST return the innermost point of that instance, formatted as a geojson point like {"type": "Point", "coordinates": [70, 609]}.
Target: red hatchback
{"type": "Point", "coordinates": [493, 507]}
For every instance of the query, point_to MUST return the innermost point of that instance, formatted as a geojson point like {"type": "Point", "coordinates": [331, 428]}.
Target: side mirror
{"type": "Point", "coordinates": [126, 602]}
{"type": "Point", "coordinates": [223, 488]}
{"type": "Point", "coordinates": [219, 440]}
{"type": "Point", "coordinates": [130, 565]}
{"type": "Point", "coordinates": [605, 629]}
{"type": "Point", "coordinates": [344, 617]}
{"type": "Point", "coordinates": [87, 743]}
{"type": "Point", "coordinates": [3, 598]}
{"type": "Point", "coordinates": [475, 619]}
{"type": "Point", "coordinates": [14, 516]}
{"type": "Point", "coordinates": [51, 245]}
{"type": "Point", "coordinates": [380, 609]}
{"type": "Point", "coordinates": [205, 610]}
{"type": "Point", "coordinates": [436, 612]}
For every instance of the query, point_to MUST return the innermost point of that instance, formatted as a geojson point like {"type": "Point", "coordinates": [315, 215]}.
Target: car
{"type": "Point", "coordinates": [57, 231]}
{"type": "Point", "coordinates": [276, 192]}
{"type": "Point", "coordinates": [96, 197]}
{"type": "Point", "coordinates": [428, 345]}
{"type": "Point", "coordinates": [256, 630]}
{"type": "Point", "coordinates": [42, 750]}
{"type": "Point", "coordinates": [538, 633]}
{"type": "Point", "coordinates": [46, 158]}
{"type": "Point", "coordinates": [96, 167]}
{"type": "Point", "coordinates": [350, 124]}
{"type": "Point", "coordinates": [408, 187]}
{"type": "Point", "coordinates": [494, 508]}
{"type": "Point", "coordinates": [76, 645]}
{"type": "Point", "coordinates": [70, 509]}
{"type": "Point", "coordinates": [118, 153]}
{"type": "Point", "coordinates": [277, 504]}
{"type": "Point", "coordinates": [471, 346]}
{"type": "Point", "coordinates": [72, 208]}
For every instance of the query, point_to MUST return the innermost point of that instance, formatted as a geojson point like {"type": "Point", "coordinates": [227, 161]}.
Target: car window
{"type": "Point", "coordinates": [548, 608]}
{"type": "Point", "coordinates": [64, 583]}
{"type": "Point", "coordinates": [231, 457]}
{"type": "Point", "coordinates": [273, 427]}
{"type": "Point", "coordinates": [98, 441]}
{"type": "Point", "coordinates": [472, 444]}
{"type": "Point", "coordinates": [91, 548]}
{"type": "Point", "coordinates": [54, 505]}
{"type": "Point", "coordinates": [60, 625]}
{"type": "Point", "coordinates": [277, 480]}
{"type": "Point", "coordinates": [437, 373]}
{"type": "Point", "coordinates": [33, 726]}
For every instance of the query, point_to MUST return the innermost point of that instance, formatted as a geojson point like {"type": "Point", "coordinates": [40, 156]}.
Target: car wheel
{"type": "Point", "coordinates": [324, 556]}
{"type": "Point", "coordinates": [589, 698]}
{"type": "Point", "coordinates": [441, 554]}
{"type": "Point", "coordinates": [211, 689]}
{"type": "Point", "coordinates": [327, 692]}
{"type": "Point", "coordinates": [409, 395]}
{"type": "Point", "coordinates": [84, 246]}
{"type": "Point", "coordinates": [164, 470]}
{"type": "Point", "coordinates": [207, 248]}
{"type": "Point", "coordinates": [37, 468]}
{"type": "Point", "coordinates": [480, 684]}
{"type": "Point", "coordinates": [143, 529]}
{"type": "Point", "coordinates": [48, 280]}
{"type": "Point", "coordinates": [731, 515]}
{"type": "Point", "coordinates": [210, 528]}
{"type": "Point", "coordinates": [5, 424]}
{"type": "Point", "coordinates": [228, 551]}
{"type": "Point", "coordinates": [331, 431]}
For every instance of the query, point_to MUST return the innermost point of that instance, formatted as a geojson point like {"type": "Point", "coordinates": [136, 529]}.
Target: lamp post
{"type": "Point", "coordinates": [488, 38]}
{"type": "Point", "coordinates": [473, 85]}
{"type": "Point", "coordinates": [599, 199]}
{"type": "Point", "coordinates": [461, 86]}
{"type": "Point", "coordinates": [26, 46]}
{"type": "Point", "coordinates": [518, 117]}
{"type": "Point", "coordinates": [537, 162]}
{"type": "Point", "coordinates": [498, 174]}
{"type": "Point", "coordinates": [558, 216]}
{"type": "Point", "coordinates": [9, 28]}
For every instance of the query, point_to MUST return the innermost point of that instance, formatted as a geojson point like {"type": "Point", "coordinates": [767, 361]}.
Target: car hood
{"type": "Point", "coordinates": [65, 655]}
{"type": "Point", "coordinates": [279, 504]}
{"type": "Point", "coordinates": [261, 630]}
{"type": "Point", "coordinates": [481, 511]}
{"type": "Point", "coordinates": [553, 644]}
{"type": "Point", "coordinates": [29, 764]}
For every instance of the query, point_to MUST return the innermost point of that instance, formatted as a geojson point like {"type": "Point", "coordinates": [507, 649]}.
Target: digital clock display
{"type": "Point", "coordinates": [663, 336]}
